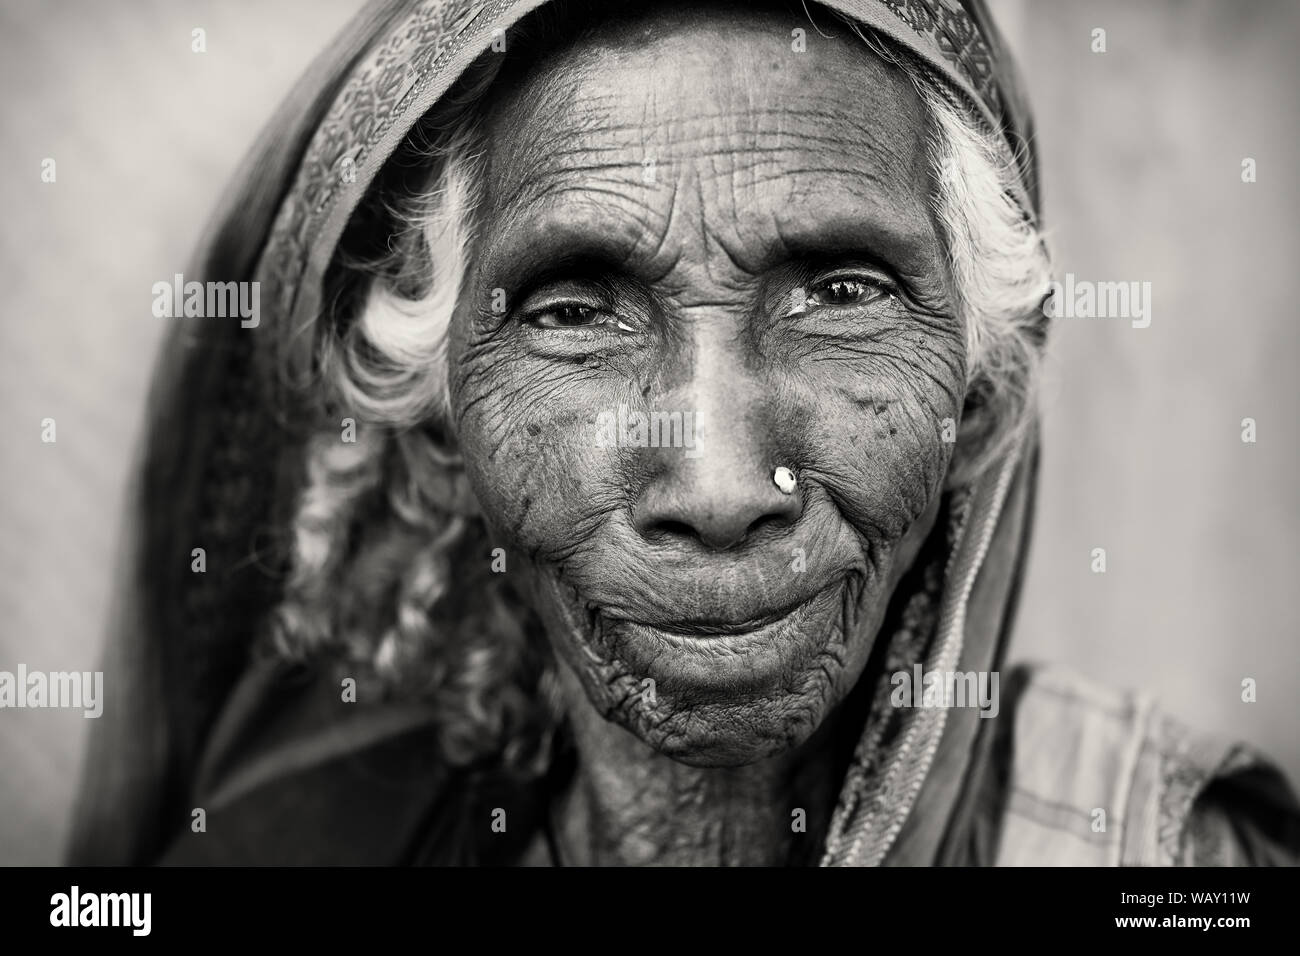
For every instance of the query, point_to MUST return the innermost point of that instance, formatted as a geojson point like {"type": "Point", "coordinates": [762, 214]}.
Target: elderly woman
{"type": "Point", "coordinates": [639, 410]}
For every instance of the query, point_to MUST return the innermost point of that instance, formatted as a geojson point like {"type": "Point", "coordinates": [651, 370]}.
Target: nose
{"type": "Point", "coordinates": [721, 498]}
{"type": "Point", "coordinates": [722, 490]}
{"type": "Point", "coordinates": [718, 507]}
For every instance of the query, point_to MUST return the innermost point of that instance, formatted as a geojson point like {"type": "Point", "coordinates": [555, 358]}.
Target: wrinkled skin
{"type": "Point", "coordinates": [685, 215]}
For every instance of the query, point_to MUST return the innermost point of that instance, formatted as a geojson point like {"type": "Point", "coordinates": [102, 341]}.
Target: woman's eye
{"type": "Point", "coordinates": [848, 292]}
{"type": "Point", "coordinates": [568, 315]}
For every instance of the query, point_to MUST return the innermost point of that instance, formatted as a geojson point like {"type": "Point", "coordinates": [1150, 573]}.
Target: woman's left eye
{"type": "Point", "coordinates": [848, 292]}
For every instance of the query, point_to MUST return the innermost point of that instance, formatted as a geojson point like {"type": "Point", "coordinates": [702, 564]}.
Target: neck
{"type": "Point", "coordinates": [629, 805]}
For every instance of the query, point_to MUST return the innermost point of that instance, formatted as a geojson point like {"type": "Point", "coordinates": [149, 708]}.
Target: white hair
{"type": "Point", "coordinates": [393, 365]}
{"type": "Point", "coordinates": [1001, 271]}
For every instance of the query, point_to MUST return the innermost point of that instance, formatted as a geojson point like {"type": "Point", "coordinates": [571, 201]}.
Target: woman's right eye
{"type": "Point", "coordinates": [567, 315]}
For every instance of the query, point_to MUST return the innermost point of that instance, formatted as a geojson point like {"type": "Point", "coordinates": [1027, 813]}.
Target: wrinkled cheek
{"type": "Point", "coordinates": [891, 442]}
{"type": "Point", "coordinates": [533, 459]}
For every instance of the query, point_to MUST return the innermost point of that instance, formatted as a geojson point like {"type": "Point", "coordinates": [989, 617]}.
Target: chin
{"type": "Point", "coordinates": [713, 692]}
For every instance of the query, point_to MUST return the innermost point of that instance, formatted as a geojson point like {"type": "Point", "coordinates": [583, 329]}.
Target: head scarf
{"type": "Point", "coordinates": [219, 467]}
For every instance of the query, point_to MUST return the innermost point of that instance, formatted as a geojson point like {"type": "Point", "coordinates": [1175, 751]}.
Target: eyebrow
{"type": "Point", "coordinates": [558, 230]}
{"type": "Point", "coordinates": [909, 248]}
{"type": "Point", "coordinates": [535, 240]}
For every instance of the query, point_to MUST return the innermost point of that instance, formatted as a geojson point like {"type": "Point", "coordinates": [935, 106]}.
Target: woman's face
{"type": "Point", "coordinates": [684, 216]}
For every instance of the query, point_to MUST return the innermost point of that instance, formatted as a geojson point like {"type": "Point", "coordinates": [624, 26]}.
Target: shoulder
{"type": "Point", "coordinates": [1101, 777]}
{"type": "Point", "coordinates": [297, 773]}
{"type": "Point", "coordinates": [292, 773]}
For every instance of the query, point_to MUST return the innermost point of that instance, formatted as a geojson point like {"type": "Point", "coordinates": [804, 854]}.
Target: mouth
{"type": "Point", "coordinates": [703, 658]}
{"type": "Point", "coordinates": [703, 627]}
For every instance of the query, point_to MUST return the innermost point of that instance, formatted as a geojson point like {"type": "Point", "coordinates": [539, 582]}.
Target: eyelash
{"type": "Point", "coordinates": [885, 290]}
{"type": "Point", "coordinates": [535, 316]}
{"type": "Point", "coordinates": [562, 309]}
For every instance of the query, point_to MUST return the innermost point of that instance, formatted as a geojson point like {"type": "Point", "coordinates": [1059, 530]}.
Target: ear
{"type": "Point", "coordinates": [977, 435]}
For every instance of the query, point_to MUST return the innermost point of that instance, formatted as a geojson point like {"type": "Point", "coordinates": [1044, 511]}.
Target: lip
{"type": "Point", "coordinates": [715, 628]}
{"type": "Point", "coordinates": [726, 658]}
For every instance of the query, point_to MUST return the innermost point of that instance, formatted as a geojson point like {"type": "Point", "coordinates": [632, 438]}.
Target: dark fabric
{"type": "Point", "coordinates": [1017, 118]}
{"type": "Point", "coordinates": [296, 775]}
{"type": "Point", "coordinates": [971, 835]}
{"type": "Point", "coordinates": [975, 831]}
{"type": "Point", "coordinates": [1250, 818]}
{"type": "Point", "coordinates": [354, 810]}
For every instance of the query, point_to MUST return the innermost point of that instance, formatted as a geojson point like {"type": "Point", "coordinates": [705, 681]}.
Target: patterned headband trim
{"type": "Point", "coordinates": [425, 50]}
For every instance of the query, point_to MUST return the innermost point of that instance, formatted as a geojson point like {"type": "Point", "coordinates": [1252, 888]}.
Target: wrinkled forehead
{"type": "Point", "coordinates": [716, 114]}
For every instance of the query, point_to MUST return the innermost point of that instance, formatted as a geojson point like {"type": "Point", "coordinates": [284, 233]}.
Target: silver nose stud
{"type": "Point", "coordinates": [784, 479]}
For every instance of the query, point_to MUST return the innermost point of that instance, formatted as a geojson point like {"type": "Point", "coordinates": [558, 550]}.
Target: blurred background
{"type": "Point", "coordinates": [1141, 148]}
